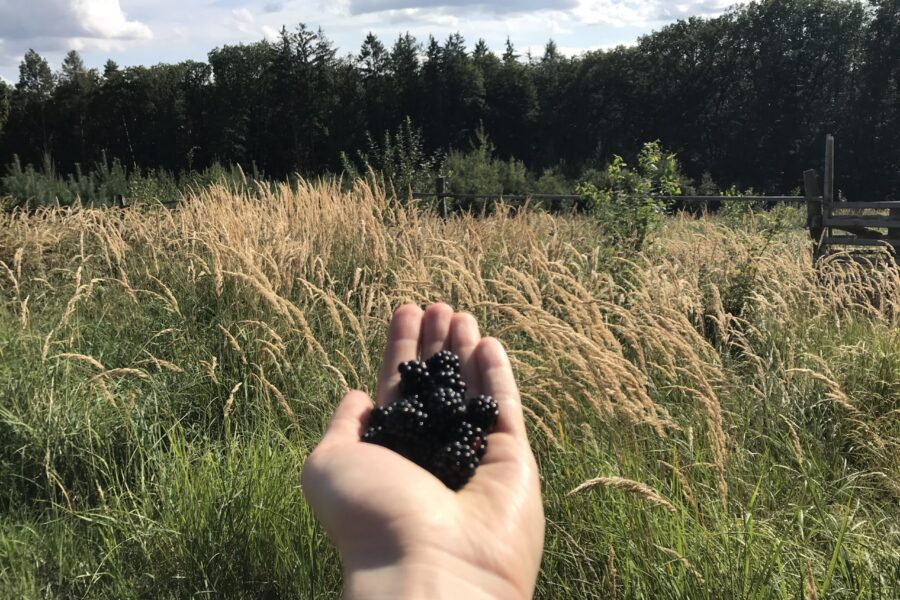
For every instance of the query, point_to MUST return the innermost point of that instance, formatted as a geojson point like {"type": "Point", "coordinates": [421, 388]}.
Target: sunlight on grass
{"type": "Point", "coordinates": [163, 375]}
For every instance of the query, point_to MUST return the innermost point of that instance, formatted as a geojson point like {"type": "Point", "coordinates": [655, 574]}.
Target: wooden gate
{"type": "Point", "coordinates": [833, 223]}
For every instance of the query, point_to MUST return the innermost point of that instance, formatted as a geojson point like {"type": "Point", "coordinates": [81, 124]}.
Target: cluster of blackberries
{"type": "Point", "coordinates": [432, 424]}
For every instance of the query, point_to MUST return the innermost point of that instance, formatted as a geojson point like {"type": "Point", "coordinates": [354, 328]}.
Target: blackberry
{"type": "Point", "coordinates": [454, 464]}
{"type": "Point", "coordinates": [449, 379]}
{"type": "Point", "coordinates": [472, 437]}
{"type": "Point", "coordinates": [443, 361]}
{"type": "Point", "coordinates": [375, 435]}
{"type": "Point", "coordinates": [379, 415]}
{"type": "Point", "coordinates": [407, 422]}
{"type": "Point", "coordinates": [482, 411]}
{"type": "Point", "coordinates": [414, 377]}
{"type": "Point", "coordinates": [446, 407]}
{"type": "Point", "coordinates": [432, 424]}
{"type": "Point", "coordinates": [415, 400]}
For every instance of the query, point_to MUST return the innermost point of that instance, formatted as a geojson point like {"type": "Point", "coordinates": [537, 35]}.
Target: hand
{"type": "Point", "coordinates": [400, 532]}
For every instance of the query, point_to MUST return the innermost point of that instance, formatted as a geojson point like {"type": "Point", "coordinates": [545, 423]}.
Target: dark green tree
{"type": "Point", "coordinates": [29, 129]}
{"type": "Point", "coordinates": [405, 71]}
{"type": "Point", "coordinates": [240, 103]}
{"type": "Point", "coordinates": [378, 86]}
{"type": "Point", "coordinates": [5, 95]}
{"type": "Point", "coordinates": [747, 97]}
{"type": "Point", "coordinates": [71, 99]}
{"type": "Point", "coordinates": [462, 87]}
{"type": "Point", "coordinates": [873, 154]}
{"type": "Point", "coordinates": [511, 105]}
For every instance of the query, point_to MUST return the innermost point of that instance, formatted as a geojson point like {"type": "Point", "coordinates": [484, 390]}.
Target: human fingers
{"type": "Point", "coordinates": [497, 380]}
{"type": "Point", "coordinates": [402, 345]}
{"type": "Point", "coordinates": [348, 422]}
{"type": "Point", "coordinates": [435, 329]}
{"type": "Point", "coordinates": [464, 338]}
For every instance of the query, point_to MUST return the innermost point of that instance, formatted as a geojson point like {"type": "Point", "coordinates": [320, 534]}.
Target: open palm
{"type": "Point", "coordinates": [399, 530]}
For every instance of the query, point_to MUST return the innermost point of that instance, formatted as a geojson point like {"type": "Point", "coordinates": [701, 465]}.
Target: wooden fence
{"type": "Point", "coordinates": [830, 223]}
{"type": "Point", "coordinates": [847, 224]}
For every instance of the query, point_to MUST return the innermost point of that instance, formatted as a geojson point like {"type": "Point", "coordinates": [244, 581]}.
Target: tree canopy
{"type": "Point", "coordinates": [747, 96]}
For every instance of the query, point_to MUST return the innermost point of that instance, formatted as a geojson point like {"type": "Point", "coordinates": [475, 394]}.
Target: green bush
{"type": "Point", "coordinates": [480, 171]}
{"type": "Point", "coordinates": [625, 203]}
{"type": "Point", "coordinates": [399, 161]}
{"type": "Point", "coordinates": [27, 186]}
{"type": "Point", "coordinates": [552, 181]}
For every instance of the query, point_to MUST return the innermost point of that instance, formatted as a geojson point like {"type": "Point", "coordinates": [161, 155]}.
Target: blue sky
{"type": "Point", "coordinates": [152, 31]}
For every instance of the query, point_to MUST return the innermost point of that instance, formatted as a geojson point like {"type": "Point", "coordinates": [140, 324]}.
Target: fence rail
{"type": "Point", "coordinates": [828, 229]}
{"type": "Point", "coordinates": [825, 227]}
{"type": "Point", "coordinates": [526, 197]}
{"type": "Point", "coordinates": [556, 200]}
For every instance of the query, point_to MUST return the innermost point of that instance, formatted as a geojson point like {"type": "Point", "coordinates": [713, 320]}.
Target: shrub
{"type": "Point", "coordinates": [480, 171]}
{"type": "Point", "coordinates": [626, 205]}
{"type": "Point", "coordinates": [399, 161]}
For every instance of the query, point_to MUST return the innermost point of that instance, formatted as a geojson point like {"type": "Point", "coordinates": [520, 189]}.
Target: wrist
{"type": "Point", "coordinates": [431, 575]}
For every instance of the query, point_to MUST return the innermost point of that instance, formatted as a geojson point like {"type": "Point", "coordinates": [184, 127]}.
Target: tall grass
{"type": "Point", "coordinates": [704, 429]}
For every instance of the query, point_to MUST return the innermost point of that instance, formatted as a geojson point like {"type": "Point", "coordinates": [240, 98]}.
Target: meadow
{"type": "Point", "coordinates": [713, 417]}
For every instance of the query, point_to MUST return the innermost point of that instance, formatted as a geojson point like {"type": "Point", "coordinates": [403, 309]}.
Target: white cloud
{"type": "Point", "coordinates": [151, 31]}
{"type": "Point", "coordinates": [98, 19]}
{"type": "Point", "coordinates": [246, 22]}
{"type": "Point", "coordinates": [243, 19]}
{"type": "Point", "coordinates": [358, 7]}
{"type": "Point", "coordinates": [644, 12]}
{"type": "Point", "coordinates": [54, 26]}
{"type": "Point", "coordinates": [104, 19]}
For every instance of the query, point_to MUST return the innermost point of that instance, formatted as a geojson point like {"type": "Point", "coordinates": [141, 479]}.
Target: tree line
{"type": "Point", "coordinates": [747, 97]}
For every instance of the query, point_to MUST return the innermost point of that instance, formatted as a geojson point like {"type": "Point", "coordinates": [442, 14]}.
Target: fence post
{"type": "Point", "coordinates": [813, 209]}
{"type": "Point", "coordinates": [894, 233]}
{"type": "Point", "coordinates": [828, 191]}
{"type": "Point", "coordinates": [439, 187]}
{"type": "Point", "coordinates": [119, 200]}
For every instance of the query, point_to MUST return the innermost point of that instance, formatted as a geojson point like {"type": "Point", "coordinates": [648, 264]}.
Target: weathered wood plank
{"type": "Point", "coordinates": [867, 221]}
{"type": "Point", "coordinates": [828, 191]}
{"type": "Point", "coordinates": [839, 240]}
{"type": "Point", "coordinates": [894, 232]}
{"type": "Point", "coordinates": [886, 204]}
{"type": "Point", "coordinates": [813, 206]}
{"type": "Point", "coordinates": [863, 232]}
{"type": "Point", "coordinates": [439, 186]}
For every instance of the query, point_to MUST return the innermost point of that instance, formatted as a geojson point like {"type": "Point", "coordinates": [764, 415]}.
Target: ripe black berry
{"type": "Point", "coordinates": [407, 421]}
{"type": "Point", "coordinates": [378, 415]}
{"type": "Point", "coordinates": [472, 437]}
{"type": "Point", "coordinates": [454, 464]}
{"type": "Point", "coordinates": [414, 377]}
{"type": "Point", "coordinates": [482, 412]}
{"type": "Point", "coordinates": [449, 379]}
{"type": "Point", "coordinates": [447, 407]}
{"type": "Point", "coordinates": [375, 435]}
{"type": "Point", "coordinates": [432, 424]}
{"type": "Point", "coordinates": [443, 361]}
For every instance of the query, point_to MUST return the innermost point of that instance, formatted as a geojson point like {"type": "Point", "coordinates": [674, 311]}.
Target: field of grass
{"type": "Point", "coordinates": [163, 375]}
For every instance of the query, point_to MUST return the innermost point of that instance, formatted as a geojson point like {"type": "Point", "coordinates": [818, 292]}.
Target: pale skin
{"type": "Point", "coordinates": [400, 532]}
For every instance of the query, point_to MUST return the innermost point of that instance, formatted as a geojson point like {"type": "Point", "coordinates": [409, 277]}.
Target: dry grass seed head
{"type": "Point", "coordinates": [626, 485]}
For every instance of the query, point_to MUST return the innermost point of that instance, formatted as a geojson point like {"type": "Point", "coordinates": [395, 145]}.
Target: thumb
{"type": "Point", "coordinates": [348, 422]}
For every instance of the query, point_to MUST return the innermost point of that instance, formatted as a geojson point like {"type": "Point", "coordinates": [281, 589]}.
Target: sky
{"type": "Point", "coordinates": [134, 32]}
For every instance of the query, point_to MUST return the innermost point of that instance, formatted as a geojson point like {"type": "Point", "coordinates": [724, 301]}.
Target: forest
{"type": "Point", "coordinates": [745, 98]}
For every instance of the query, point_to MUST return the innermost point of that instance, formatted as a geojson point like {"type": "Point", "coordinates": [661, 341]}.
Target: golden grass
{"type": "Point", "coordinates": [636, 339]}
